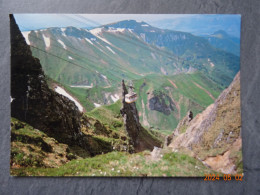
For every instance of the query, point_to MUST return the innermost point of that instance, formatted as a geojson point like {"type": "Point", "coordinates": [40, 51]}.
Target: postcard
{"type": "Point", "coordinates": [143, 95]}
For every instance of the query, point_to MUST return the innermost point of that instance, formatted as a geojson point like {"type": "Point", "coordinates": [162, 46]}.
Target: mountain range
{"type": "Point", "coordinates": [220, 39]}
{"type": "Point", "coordinates": [53, 135]}
{"type": "Point", "coordinates": [172, 71]}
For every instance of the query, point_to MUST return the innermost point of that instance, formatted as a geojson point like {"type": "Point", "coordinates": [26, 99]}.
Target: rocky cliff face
{"type": "Point", "coordinates": [140, 137]}
{"type": "Point", "coordinates": [158, 103]}
{"type": "Point", "coordinates": [33, 101]}
{"type": "Point", "coordinates": [215, 132]}
{"type": "Point", "coordinates": [181, 128]}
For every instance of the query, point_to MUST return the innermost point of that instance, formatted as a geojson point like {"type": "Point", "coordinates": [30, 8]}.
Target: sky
{"type": "Point", "coordinates": [198, 24]}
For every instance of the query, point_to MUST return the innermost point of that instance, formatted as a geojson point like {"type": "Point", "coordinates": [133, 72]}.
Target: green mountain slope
{"type": "Point", "coordinates": [164, 100]}
{"type": "Point", "coordinates": [80, 61]}
{"type": "Point", "coordinates": [91, 64]}
{"type": "Point", "coordinates": [191, 51]}
{"type": "Point", "coordinates": [108, 54]}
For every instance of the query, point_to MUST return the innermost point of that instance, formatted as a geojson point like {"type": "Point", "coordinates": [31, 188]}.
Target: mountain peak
{"type": "Point", "coordinates": [132, 24]}
{"type": "Point", "coordinates": [220, 34]}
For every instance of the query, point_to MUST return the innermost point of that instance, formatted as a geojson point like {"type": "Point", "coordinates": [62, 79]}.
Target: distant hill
{"type": "Point", "coordinates": [221, 40]}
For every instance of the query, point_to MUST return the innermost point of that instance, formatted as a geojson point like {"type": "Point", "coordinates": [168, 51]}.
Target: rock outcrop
{"type": "Point", "coordinates": [181, 128]}
{"type": "Point", "coordinates": [33, 101]}
{"type": "Point", "coordinates": [141, 139]}
{"type": "Point", "coordinates": [215, 131]}
{"type": "Point", "coordinates": [158, 103]}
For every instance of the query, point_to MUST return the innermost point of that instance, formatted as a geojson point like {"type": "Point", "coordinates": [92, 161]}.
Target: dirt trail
{"type": "Point", "coordinates": [210, 95]}
{"type": "Point", "coordinates": [174, 85]}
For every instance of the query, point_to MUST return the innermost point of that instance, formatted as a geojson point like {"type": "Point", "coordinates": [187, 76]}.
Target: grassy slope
{"type": "Point", "coordinates": [129, 62]}
{"type": "Point", "coordinates": [124, 164]}
{"type": "Point", "coordinates": [109, 114]}
{"type": "Point", "coordinates": [31, 147]}
{"type": "Point", "coordinates": [188, 95]}
{"type": "Point", "coordinates": [110, 164]}
{"type": "Point", "coordinates": [88, 97]}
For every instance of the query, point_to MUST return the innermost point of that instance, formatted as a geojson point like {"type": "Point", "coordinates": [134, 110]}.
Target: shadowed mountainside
{"type": "Point", "coordinates": [33, 101]}
{"type": "Point", "coordinates": [36, 104]}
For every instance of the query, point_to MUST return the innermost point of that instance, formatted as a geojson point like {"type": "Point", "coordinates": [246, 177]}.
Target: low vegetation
{"type": "Point", "coordinates": [124, 164]}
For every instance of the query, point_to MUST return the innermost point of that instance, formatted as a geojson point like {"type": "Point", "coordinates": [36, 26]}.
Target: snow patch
{"type": "Point", "coordinates": [152, 31]}
{"type": "Point", "coordinates": [70, 58]}
{"type": "Point", "coordinates": [89, 41]}
{"type": "Point", "coordinates": [96, 31]}
{"type": "Point", "coordinates": [120, 29]}
{"type": "Point", "coordinates": [114, 97]}
{"type": "Point", "coordinates": [82, 86]}
{"type": "Point", "coordinates": [61, 91]}
{"type": "Point", "coordinates": [62, 43]}
{"type": "Point", "coordinates": [63, 31]}
{"type": "Point", "coordinates": [145, 25]}
{"type": "Point", "coordinates": [26, 36]}
{"type": "Point", "coordinates": [110, 50]}
{"type": "Point", "coordinates": [114, 30]}
{"type": "Point", "coordinates": [103, 39]}
{"type": "Point", "coordinates": [47, 41]}
{"type": "Point", "coordinates": [97, 105]}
